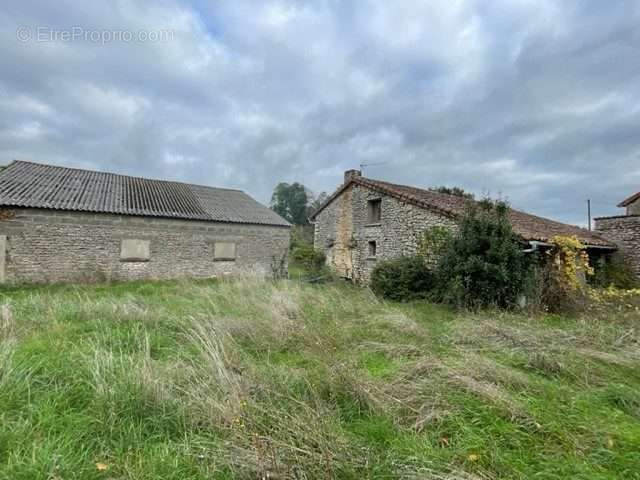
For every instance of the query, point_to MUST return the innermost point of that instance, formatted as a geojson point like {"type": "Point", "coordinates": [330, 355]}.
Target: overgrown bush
{"type": "Point", "coordinates": [432, 242]}
{"type": "Point", "coordinates": [483, 263]}
{"type": "Point", "coordinates": [301, 235]}
{"type": "Point", "coordinates": [615, 273]}
{"type": "Point", "coordinates": [307, 257]}
{"type": "Point", "coordinates": [561, 276]}
{"type": "Point", "coordinates": [402, 279]}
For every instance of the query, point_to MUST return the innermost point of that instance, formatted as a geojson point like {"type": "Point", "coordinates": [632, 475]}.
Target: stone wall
{"type": "Point", "coordinates": [397, 234]}
{"type": "Point", "coordinates": [624, 231]}
{"type": "Point", "coordinates": [58, 246]}
{"type": "Point", "coordinates": [634, 208]}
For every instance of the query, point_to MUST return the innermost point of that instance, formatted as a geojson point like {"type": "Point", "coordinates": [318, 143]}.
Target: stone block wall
{"type": "Point", "coordinates": [397, 234]}
{"type": "Point", "coordinates": [634, 208]}
{"type": "Point", "coordinates": [624, 231]}
{"type": "Point", "coordinates": [56, 246]}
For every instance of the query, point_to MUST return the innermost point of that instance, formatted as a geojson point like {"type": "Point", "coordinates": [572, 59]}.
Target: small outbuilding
{"type": "Point", "coordinates": [62, 224]}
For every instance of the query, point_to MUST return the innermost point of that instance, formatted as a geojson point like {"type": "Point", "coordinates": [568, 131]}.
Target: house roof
{"type": "Point", "coordinates": [28, 184]}
{"type": "Point", "coordinates": [629, 200]}
{"type": "Point", "coordinates": [528, 227]}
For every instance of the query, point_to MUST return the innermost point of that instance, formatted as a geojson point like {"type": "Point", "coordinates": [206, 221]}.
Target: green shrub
{"type": "Point", "coordinates": [432, 243]}
{"type": "Point", "coordinates": [615, 272]}
{"type": "Point", "coordinates": [548, 291]}
{"type": "Point", "coordinates": [301, 235]}
{"type": "Point", "coordinates": [308, 258]}
{"type": "Point", "coordinates": [483, 263]}
{"type": "Point", "coordinates": [402, 279]}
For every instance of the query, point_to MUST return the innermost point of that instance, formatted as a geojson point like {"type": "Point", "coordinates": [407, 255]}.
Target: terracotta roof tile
{"type": "Point", "coordinates": [527, 226]}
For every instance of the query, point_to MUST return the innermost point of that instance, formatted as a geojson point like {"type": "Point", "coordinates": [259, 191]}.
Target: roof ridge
{"type": "Point", "coordinates": [449, 195]}
{"type": "Point", "coordinates": [37, 185]}
{"type": "Point", "coordinates": [526, 225]}
{"type": "Point", "coordinates": [629, 200]}
{"type": "Point", "coordinates": [77, 169]}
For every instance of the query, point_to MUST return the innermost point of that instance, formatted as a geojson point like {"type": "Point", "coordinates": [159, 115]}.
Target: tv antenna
{"type": "Point", "coordinates": [362, 165]}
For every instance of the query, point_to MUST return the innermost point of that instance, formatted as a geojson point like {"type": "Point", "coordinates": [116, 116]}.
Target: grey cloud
{"type": "Point", "coordinates": [536, 101]}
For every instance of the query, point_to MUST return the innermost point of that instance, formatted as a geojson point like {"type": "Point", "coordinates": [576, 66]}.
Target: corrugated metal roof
{"type": "Point", "coordinates": [28, 184]}
{"type": "Point", "coordinates": [528, 227]}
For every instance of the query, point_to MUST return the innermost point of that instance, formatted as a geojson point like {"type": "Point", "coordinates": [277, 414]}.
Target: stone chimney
{"type": "Point", "coordinates": [349, 174]}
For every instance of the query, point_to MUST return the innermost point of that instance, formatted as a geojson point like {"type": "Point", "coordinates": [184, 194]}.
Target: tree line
{"type": "Point", "coordinates": [295, 203]}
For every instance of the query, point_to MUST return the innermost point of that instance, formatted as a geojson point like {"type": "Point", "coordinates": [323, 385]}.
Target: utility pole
{"type": "Point", "coordinates": [589, 212]}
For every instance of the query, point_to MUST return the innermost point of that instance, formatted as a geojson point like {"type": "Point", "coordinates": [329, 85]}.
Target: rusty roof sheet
{"type": "Point", "coordinates": [528, 227]}
{"type": "Point", "coordinates": [28, 184]}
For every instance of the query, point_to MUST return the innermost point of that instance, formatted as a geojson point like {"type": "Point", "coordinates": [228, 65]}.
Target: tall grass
{"type": "Point", "coordinates": [249, 379]}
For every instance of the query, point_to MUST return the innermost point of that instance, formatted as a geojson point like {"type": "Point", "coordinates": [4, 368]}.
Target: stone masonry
{"type": "Point", "coordinates": [625, 232]}
{"type": "Point", "coordinates": [634, 208]}
{"type": "Point", "coordinates": [343, 231]}
{"type": "Point", "coordinates": [43, 246]}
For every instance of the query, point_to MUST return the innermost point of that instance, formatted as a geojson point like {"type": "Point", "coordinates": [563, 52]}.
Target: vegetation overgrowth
{"type": "Point", "coordinates": [249, 379]}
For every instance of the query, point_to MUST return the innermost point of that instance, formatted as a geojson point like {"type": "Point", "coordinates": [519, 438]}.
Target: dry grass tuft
{"type": "Point", "coordinates": [415, 396]}
{"type": "Point", "coordinates": [422, 388]}
{"type": "Point", "coordinates": [490, 392]}
{"type": "Point", "coordinates": [212, 383]}
{"type": "Point", "coordinates": [7, 323]}
{"type": "Point", "coordinates": [271, 433]}
{"type": "Point", "coordinates": [289, 439]}
{"type": "Point", "coordinates": [629, 359]}
{"type": "Point", "coordinates": [409, 471]}
{"type": "Point", "coordinates": [400, 322]}
{"type": "Point", "coordinates": [487, 369]}
{"type": "Point", "coordinates": [392, 350]}
{"type": "Point", "coordinates": [545, 363]}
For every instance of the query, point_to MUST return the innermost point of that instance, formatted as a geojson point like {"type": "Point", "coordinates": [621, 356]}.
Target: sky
{"type": "Point", "coordinates": [536, 102]}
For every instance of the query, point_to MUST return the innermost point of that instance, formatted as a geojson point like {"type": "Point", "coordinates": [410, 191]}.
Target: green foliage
{"type": "Point", "coordinates": [295, 203]}
{"type": "Point", "coordinates": [457, 191]}
{"type": "Point", "coordinates": [615, 272]}
{"type": "Point", "coordinates": [402, 279]}
{"type": "Point", "coordinates": [290, 202]}
{"type": "Point", "coordinates": [301, 235]}
{"type": "Point", "coordinates": [309, 258]}
{"type": "Point", "coordinates": [560, 276]}
{"type": "Point", "coordinates": [483, 263]}
{"type": "Point", "coordinates": [432, 243]}
{"type": "Point", "coordinates": [316, 202]}
{"type": "Point", "coordinates": [249, 379]}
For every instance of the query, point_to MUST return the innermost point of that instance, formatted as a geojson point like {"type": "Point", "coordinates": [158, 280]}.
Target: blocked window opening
{"type": "Point", "coordinates": [375, 210]}
{"type": "Point", "coordinates": [134, 250]}
{"type": "Point", "coordinates": [372, 248]}
{"type": "Point", "coordinates": [224, 251]}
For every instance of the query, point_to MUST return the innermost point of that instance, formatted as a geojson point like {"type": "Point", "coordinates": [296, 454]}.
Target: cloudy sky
{"type": "Point", "coordinates": [537, 101]}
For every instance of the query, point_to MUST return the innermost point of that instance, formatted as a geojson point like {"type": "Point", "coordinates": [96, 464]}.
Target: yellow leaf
{"type": "Point", "coordinates": [473, 457]}
{"type": "Point", "coordinates": [610, 442]}
{"type": "Point", "coordinates": [102, 466]}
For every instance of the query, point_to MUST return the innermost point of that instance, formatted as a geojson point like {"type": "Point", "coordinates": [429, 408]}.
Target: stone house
{"type": "Point", "coordinates": [624, 230]}
{"type": "Point", "coordinates": [67, 225]}
{"type": "Point", "coordinates": [365, 221]}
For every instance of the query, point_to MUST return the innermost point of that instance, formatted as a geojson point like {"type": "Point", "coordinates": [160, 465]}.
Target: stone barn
{"type": "Point", "coordinates": [365, 221]}
{"type": "Point", "coordinates": [624, 230]}
{"type": "Point", "coordinates": [62, 224]}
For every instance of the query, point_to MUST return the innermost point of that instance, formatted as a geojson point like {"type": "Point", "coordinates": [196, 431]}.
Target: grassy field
{"type": "Point", "coordinates": [195, 380]}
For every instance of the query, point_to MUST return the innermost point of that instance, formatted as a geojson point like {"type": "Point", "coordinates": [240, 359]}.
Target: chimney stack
{"type": "Point", "coordinates": [349, 174]}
